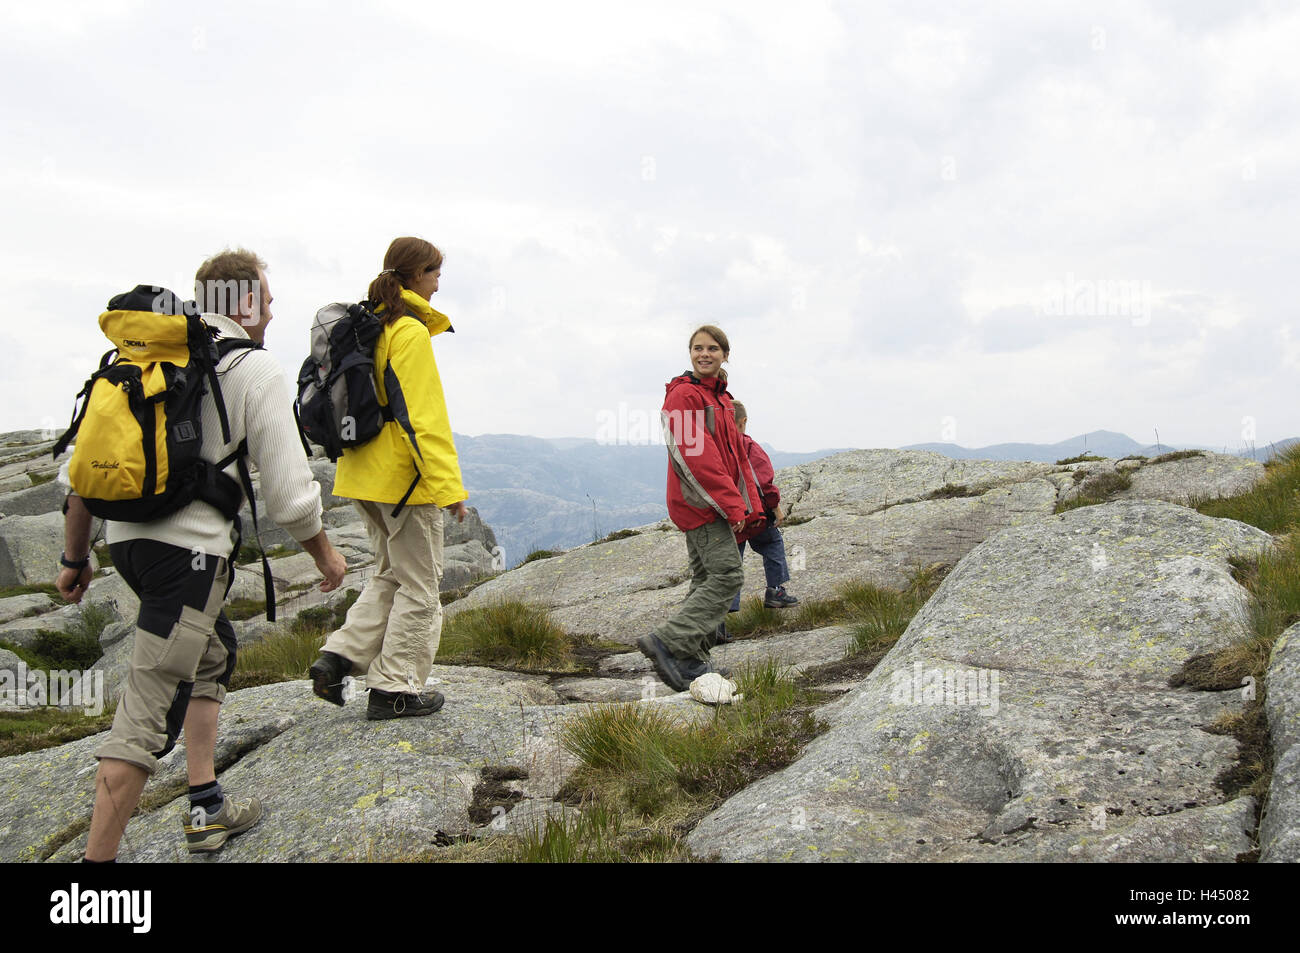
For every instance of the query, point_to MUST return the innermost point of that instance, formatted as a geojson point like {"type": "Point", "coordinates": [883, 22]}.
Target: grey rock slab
{"type": "Point", "coordinates": [886, 547]}
{"type": "Point", "coordinates": [1081, 618]}
{"type": "Point", "coordinates": [19, 607]}
{"type": "Point", "coordinates": [1279, 831]}
{"type": "Point", "coordinates": [863, 481]}
{"type": "Point", "coordinates": [115, 663]}
{"type": "Point", "coordinates": [609, 589]}
{"type": "Point", "coordinates": [606, 690]}
{"type": "Point", "coordinates": [34, 500]}
{"type": "Point", "coordinates": [1178, 481]}
{"type": "Point", "coordinates": [391, 786]}
{"type": "Point", "coordinates": [797, 650]}
{"type": "Point", "coordinates": [29, 548]}
{"type": "Point", "coordinates": [46, 797]}
{"type": "Point", "coordinates": [794, 650]}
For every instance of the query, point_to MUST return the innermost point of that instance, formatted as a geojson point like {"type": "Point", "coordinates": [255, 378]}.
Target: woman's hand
{"type": "Point", "coordinates": [458, 510]}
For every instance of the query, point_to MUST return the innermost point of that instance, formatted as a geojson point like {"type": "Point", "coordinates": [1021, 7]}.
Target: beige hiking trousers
{"type": "Point", "coordinates": [391, 633]}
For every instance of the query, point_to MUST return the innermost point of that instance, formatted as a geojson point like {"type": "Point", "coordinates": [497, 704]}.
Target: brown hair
{"type": "Point", "coordinates": [223, 280]}
{"type": "Point", "coordinates": [738, 411]}
{"type": "Point", "coordinates": [715, 332]}
{"type": "Point", "coordinates": [406, 259]}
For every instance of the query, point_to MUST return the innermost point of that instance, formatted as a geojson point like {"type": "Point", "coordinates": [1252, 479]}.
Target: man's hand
{"type": "Point", "coordinates": [73, 583]}
{"type": "Point", "coordinates": [780, 515]}
{"type": "Point", "coordinates": [458, 510]}
{"type": "Point", "coordinates": [329, 562]}
{"type": "Point", "coordinates": [333, 567]}
{"type": "Point", "coordinates": [737, 526]}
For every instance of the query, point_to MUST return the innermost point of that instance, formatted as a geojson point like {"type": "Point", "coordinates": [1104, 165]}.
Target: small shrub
{"type": "Point", "coordinates": [619, 534]}
{"type": "Point", "coordinates": [540, 554]}
{"type": "Point", "coordinates": [1134, 456]}
{"type": "Point", "coordinates": [1175, 455]}
{"type": "Point", "coordinates": [510, 634]}
{"type": "Point", "coordinates": [237, 610]}
{"type": "Point", "coordinates": [1081, 458]}
{"type": "Point", "coordinates": [950, 491]}
{"type": "Point", "coordinates": [65, 650]}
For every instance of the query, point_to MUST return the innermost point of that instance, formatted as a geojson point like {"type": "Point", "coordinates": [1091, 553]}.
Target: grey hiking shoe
{"type": "Point", "coordinates": [205, 833]}
{"type": "Point", "coordinates": [778, 598]}
{"type": "Point", "coordinates": [384, 705]}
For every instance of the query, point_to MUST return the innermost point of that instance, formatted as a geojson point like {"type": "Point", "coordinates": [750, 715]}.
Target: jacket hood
{"type": "Point", "coordinates": [715, 385]}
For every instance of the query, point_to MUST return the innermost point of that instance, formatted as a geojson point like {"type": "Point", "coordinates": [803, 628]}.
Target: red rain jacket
{"type": "Point", "coordinates": [764, 472]}
{"type": "Point", "coordinates": [709, 474]}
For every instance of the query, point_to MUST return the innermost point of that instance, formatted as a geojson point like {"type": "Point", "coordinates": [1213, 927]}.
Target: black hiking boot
{"type": "Point", "coordinates": [677, 673]}
{"type": "Point", "coordinates": [721, 635]}
{"type": "Point", "coordinates": [384, 705]}
{"type": "Point", "coordinates": [327, 674]}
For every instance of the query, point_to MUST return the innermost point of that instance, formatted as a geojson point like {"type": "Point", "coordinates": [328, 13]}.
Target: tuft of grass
{"type": "Point", "coordinates": [950, 491]}
{"type": "Point", "coordinates": [640, 760]}
{"type": "Point", "coordinates": [855, 602]}
{"type": "Point", "coordinates": [796, 521]}
{"type": "Point", "coordinates": [40, 478]}
{"type": "Point", "coordinates": [45, 587]}
{"type": "Point", "coordinates": [34, 729]}
{"type": "Point", "coordinates": [286, 655]}
{"type": "Point", "coordinates": [595, 835]}
{"type": "Point", "coordinates": [1175, 455]}
{"type": "Point", "coordinates": [508, 634]}
{"type": "Point", "coordinates": [540, 554]}
{"type": "Point", "coordinates": [619, 534]}
{"type": "Point", "coordinates": [1081, 458]}
{"type": "Point", "coordinates": [1098, 488]}
{"type": "Point", "coordinates": [1134, 456]}
{"type": "Point", "coordinates": [1272, 504]}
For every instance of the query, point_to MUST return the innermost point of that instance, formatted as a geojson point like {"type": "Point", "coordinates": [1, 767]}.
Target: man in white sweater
{"type": "Point", "coordinates": [184, 650]}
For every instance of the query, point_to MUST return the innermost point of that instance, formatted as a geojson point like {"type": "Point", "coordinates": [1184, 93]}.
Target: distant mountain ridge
{"type": "Point", "coordinates": [1102, 443]}
{"type": "Point", "coordinates": [556, 493]}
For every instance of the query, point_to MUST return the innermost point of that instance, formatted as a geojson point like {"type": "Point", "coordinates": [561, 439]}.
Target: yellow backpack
{"type": "Point", "coordinates": [139, 433]}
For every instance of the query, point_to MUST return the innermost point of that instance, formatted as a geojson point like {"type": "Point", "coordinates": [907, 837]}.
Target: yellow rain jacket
{"type": "Point", "coordinates": [418, 439]}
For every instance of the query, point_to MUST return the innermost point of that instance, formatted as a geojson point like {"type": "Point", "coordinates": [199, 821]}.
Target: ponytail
{"type": "Point", "coordinates": [405, 259]}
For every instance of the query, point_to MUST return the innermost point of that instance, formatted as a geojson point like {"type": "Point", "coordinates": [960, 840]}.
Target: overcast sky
{"type": "Point", "coordinates": [916, 221]}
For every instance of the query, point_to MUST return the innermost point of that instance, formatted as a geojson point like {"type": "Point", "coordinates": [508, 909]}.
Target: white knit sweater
{"type": "Point", "coordinates": [260, 407]}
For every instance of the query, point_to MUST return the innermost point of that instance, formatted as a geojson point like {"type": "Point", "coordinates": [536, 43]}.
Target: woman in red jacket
{"type": "Point", "coordinates": [713, 498]}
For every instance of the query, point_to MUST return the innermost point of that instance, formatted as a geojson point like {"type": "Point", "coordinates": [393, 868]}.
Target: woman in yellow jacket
{"type": "Point", "coordinates": [400, 481]}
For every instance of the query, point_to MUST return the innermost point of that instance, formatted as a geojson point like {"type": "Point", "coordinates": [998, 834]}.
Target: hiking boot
{"type": "Point", "coordinates": [384, 705]}
{"type": "Point", "coordinates": [205, 833]}
{"type": "Point", "coordinates": [778, 598]}
{"type": "Point", "coordinates": [677, 673]}
{"type": "Point", "coordinates": [327, 674]}
{"type": "Point", "coordinates": [721, 635]}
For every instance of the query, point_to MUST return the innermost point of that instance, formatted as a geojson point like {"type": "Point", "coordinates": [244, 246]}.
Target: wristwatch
{"type": "Point", "coordinates": [67, 563]}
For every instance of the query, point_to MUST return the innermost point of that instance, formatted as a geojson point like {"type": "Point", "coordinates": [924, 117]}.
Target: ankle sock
{"type": "Point", "coordinates": [207, 796]}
